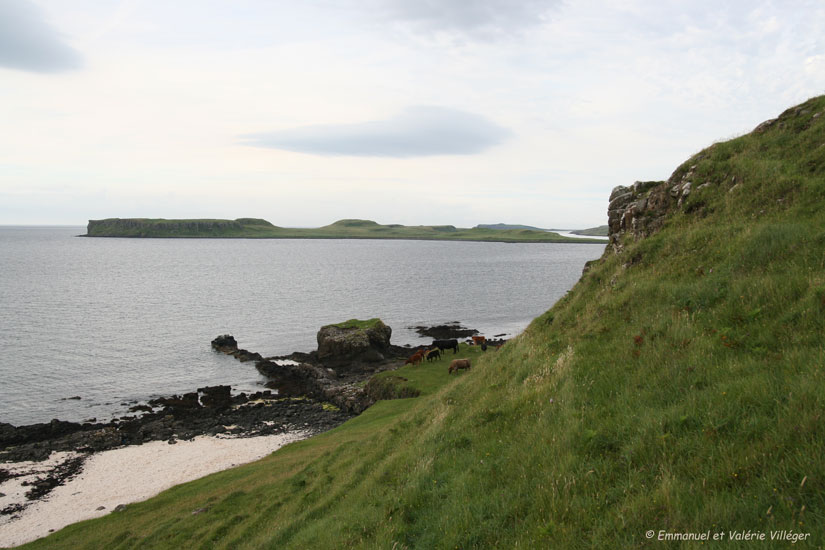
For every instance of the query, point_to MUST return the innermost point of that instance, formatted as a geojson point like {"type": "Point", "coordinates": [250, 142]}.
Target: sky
{"type": "Point", "coordinates": [415, 112]}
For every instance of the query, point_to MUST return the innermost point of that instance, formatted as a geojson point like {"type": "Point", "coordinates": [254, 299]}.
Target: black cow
{"type": "Point", "coordinates": [446, 344]}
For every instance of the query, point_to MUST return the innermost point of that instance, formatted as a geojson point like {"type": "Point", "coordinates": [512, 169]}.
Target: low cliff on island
{"type": "Point", "coordinates": [161, 228]}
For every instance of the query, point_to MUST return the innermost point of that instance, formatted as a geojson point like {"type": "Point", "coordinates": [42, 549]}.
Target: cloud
{"type": "Point", "coordinates": [29, 43]}
{"type": "Point", "coordinates": [415, 132]}
{"type": "Point", "coordinates": [479, 18]}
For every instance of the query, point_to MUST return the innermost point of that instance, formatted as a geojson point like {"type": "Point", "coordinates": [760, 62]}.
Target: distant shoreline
{"type": "Point", "coordinates": [252, 228]}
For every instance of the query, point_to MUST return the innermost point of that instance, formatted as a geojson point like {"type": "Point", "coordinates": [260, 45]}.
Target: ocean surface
{"type": "Point", "coordinates": [117, 321]}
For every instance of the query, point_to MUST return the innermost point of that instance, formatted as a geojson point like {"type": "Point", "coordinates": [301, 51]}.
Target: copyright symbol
{"type": "Point", "coordinates": [650, 534]}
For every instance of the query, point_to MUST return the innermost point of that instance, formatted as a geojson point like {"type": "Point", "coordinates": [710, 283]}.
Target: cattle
{"type": "Point", "coordinates": [432, 355]}
{"type": "Point", "coordinates": [457, 364]}
{"type": "Point", "coordinates": [479, 340]}
{"type": "Point", "coordinates": [446, 344]}
{"type": "Point", "coordinates": [415, 358]}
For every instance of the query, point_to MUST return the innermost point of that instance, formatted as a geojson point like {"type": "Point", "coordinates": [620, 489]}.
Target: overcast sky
{"type": "Point", "coordinates": [402, 111]}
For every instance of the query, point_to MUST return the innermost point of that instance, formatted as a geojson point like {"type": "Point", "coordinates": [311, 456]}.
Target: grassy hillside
{"type": "Point", "coordinates": [253, 228]}
{"type": "Point", "coordinates": [600, 231]}
{"type": "Point", "coordinates": [679, 387]}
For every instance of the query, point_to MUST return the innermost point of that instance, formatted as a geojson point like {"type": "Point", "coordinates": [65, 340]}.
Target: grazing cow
{"type": "Point", "coordinates": [415, 358]}
{"type": "Point", "coordinates": [446, 344]}
{"type": "Point", "coordinates": [479, 340]}
{"type": "Point", "coordinates": [457, 364]}
{"type": "Point", "coordinates": [432, 355]}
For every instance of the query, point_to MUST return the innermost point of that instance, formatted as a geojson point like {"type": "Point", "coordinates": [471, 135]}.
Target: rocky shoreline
{"type": "Point", "coordinates": [306, 392]}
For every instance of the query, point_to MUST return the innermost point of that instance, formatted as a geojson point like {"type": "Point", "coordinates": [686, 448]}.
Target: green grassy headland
{"type": "Point", "coordinates": [252, 228]}
{"type": "Point", "coordinates": [678, 387]}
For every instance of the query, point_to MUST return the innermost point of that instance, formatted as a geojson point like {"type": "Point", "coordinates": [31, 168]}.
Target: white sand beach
{"type": "Point", "coordinates": [122, 476]}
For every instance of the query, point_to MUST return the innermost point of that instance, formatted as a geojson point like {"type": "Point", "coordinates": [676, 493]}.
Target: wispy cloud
{"type": "Point", "coordinates": [415, 132]}
{"type": "Point", "coordinates": [479, 18]}
{"type": "Point", "coordinates": [29, 43]}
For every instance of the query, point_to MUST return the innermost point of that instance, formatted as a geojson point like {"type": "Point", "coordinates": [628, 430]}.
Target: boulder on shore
{"type": "Point", "coordinates": [354, 340]}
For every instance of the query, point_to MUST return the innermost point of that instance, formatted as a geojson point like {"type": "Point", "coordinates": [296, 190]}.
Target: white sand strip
{"type": "Point", "coordinates": [125, 475]}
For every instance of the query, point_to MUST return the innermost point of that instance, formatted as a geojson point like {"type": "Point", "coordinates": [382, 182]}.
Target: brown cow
{"type": "Point", "coordinates": [415, 358]}
{"type": "Point", "coordinates": [457, 364]}
{"type": "Point", "coordinates": [478, 340]}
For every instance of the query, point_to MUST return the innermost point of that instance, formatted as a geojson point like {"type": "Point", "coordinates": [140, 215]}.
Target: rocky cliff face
{"type": "Point", "coordinates": [641, 209]}
{"type": "Point", "coordinates": [138, 226]}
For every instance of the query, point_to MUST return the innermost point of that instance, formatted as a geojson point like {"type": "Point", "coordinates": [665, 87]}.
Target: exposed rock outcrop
{"type": "Point", "coordinates": [353, 341]}
{"type": "Point", "coordinates": [227, 344]}
{"type": "Point", "coordinates": [642, 208]}
{"type": "Point", "coordinates": [638, 210]}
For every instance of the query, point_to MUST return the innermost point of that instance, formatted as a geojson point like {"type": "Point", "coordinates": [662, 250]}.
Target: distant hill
{"type": "Point", "coordinates": [504, 226]}
{"type": "Point", "coordinates": [253, 228]}
{"type": "Point", "coordinates": [600, 231]}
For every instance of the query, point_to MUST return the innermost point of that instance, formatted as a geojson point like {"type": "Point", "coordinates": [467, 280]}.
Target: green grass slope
{"type": "Point", "coordinates": [679, 387]}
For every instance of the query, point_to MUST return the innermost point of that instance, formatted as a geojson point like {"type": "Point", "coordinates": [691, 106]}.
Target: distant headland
{"type": "Point", "coordinates": [255, 228]}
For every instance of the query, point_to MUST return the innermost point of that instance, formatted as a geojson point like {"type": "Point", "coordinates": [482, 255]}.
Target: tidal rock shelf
{"type": "Point", "coordinates": [306, 393]}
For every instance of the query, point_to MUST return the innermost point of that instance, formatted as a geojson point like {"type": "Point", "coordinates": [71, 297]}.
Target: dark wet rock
{"type": "Point", "coordinates": [243, 356]}
{"type": "Point", "coordinates": [43, 485]}
{"type": "Point", "coordinates": [187, 401]}
{"type": "Point", "coordinates": [11, 435]}
{"type": "Point", "coordinates": [317, 382]}
{"type": "Point", "coordinates": [218, 397]}
{"type": "Point", "coordinates": [225, 343]}
{"type": "Point", "coordinates": [446, 332]}
{"type": "Point", "coordinates": [12, 509]}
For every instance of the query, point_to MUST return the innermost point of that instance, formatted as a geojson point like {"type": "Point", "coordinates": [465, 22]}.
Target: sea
{"type": "Point", "coordinates": [91, 326]}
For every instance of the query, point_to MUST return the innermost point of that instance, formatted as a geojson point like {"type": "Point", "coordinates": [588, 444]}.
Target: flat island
{"type": "Point", "coordinates": [255, 228]}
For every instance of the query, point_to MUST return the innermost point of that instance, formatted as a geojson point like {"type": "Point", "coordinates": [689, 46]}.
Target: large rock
{"type": "Point", "coordinates": [225, 343]}
{"type": "Point", "coordinates": [354, 340]}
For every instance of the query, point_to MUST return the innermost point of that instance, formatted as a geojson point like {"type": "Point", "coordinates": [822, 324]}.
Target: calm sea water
{"type": "Point", "coordinates": [118, 320]}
